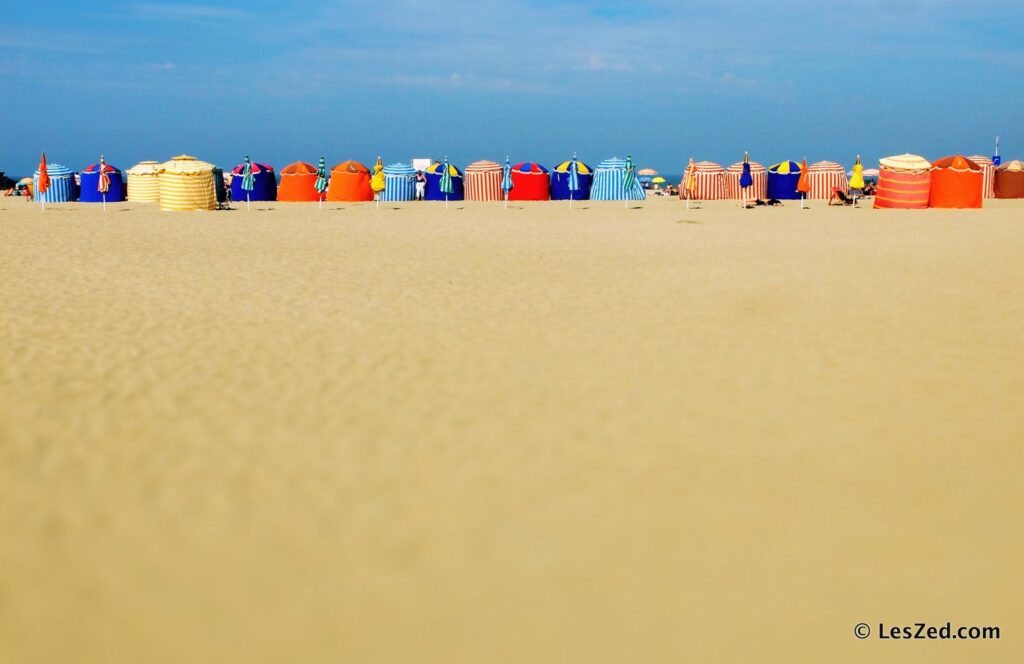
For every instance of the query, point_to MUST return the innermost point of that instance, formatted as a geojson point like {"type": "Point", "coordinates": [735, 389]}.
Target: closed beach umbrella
{"type": "Point", "coordinates": [248, 181]}
{"type": "Point", "coordinates": [506, 179]}
{"type": "Point", "coordinates": [629, 181]}
{"type": "Point", "coordinates": [690, 182]}
{"type": "Point", "coordinates": [803, 184]}
{"type": "Point", "coordinates": [321, 180]}
{"type": "Point", "coordinates": [103, 185]}
{"type": "Point", "coordinates": [446, 181]}
{"type": "Point", "coordinates": [377, 180]}
{"type": "Point", "coordinates": [574, 178]}
{"type": "Point", "coordinates": [43, 185]}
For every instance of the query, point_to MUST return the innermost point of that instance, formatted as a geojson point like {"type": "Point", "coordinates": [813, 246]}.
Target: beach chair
{"type": "Point", "coordinates": [839, 197]}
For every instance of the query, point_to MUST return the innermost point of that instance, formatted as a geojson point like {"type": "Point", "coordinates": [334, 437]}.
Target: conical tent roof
{"type": "Point", "coordinates": [956, 163]}
{"type": "Point", "coordinates": [825, 166]}
{"type": "Point", "coordinates": [144, 168]}
{"type": "Point", "coordinates": [185, 164]}
{"type": "Point", "coordinates": [1014, 166]}
{"type": "Point", "coordinates": [483, 166]}
{"type": "Point", "coordinates": [56, 171]}
{"type": "Point", "coordinates": [399, 169]}
{"type": "Point", "coordinates": [349, 166]}
{"type": "Point", "coordinates": [906, 162]}
{"type": "Point", "coordinates": [299, 168]}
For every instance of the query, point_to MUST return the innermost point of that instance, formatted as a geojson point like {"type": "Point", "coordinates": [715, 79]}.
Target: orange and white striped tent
{"type": "Point", "coordinates": [732, 181]}
{"type": "Point", "coordinates": [483, 181]}
{"type": "Point", "coordinates": [824, 177]}
{"type": "Point", "coordinates": [988, 173]}
{"type": "Point", "coordinates": [709, 182]}
{"type": "Point", "coordinates": [904, 181]}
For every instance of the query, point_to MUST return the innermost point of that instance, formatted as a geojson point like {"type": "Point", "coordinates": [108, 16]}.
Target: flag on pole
{"type": "Point", "coordinates": [321, 180]}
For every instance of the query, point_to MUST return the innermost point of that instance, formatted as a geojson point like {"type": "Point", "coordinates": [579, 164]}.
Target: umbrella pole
{"type": "Point", "coordinates": [104, 202]}
{"type": "Point", "coordinates": [247, 200]}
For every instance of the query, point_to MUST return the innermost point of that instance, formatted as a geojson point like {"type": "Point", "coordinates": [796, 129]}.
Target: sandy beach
{"type": "Point", "coordinates": [528, 435]}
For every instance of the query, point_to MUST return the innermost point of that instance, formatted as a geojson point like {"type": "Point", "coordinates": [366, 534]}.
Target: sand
{"type": "Point", "coordinates": [485, 435]}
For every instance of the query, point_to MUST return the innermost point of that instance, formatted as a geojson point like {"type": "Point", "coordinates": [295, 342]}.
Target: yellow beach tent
{"type": "Point", "coordinates": [187, 184]}
{"type": "Point", "coordinates": [144, 182]}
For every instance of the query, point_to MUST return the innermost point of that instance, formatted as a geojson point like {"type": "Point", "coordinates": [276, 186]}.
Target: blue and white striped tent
{"type": "Point", "coordinates": [62, 185]}
{"type": "Point", "coordinates": [609, 185]}
{"type": "Point", "coordinates": [399, 183]}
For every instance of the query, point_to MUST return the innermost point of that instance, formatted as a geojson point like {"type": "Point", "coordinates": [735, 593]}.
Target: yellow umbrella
{"type": "Point", "coordinates": [857, 181]}
{"type": "Point", "coordinates": [658, 180]}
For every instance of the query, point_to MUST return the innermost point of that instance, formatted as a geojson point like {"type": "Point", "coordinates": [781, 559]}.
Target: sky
{"type": "Point", "coordinates": [537, 80]}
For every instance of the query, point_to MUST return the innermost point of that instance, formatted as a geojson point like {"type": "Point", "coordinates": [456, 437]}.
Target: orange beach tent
{"type": "Point", "coordinates": [956, 183]}
{"type": "Point", "coordinates": [298, 183]}
{"type": "Point", "coordinates": [350, 181]}
{"type": "Point", "coordinates": [903, 182]}
{"type": "Point", "coordinates": [1010, 180]}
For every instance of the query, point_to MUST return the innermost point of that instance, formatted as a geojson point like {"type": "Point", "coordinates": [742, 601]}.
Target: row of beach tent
{"type": "Point", "coordinates": [187, 183]}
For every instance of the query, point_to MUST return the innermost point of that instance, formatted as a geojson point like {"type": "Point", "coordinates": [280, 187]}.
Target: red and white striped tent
{"type": "Point", "coordinates": [710, 182]}
{"type": "Point", "coordinates": [824, 176]}
{"type": "Point", "coordinates": [483, 181]}
{"type": "Point", "coordinates": [732, 181]}
{"type": "Point", "coordinates": [988, 175]}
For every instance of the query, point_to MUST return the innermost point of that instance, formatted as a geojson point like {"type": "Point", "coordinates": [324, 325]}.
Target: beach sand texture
{"type": "Point", "coordinates": [523, 435]}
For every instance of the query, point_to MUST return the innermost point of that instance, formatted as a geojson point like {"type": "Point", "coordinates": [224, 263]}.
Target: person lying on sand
{"type": "Point", "coordinates": [771, 202]}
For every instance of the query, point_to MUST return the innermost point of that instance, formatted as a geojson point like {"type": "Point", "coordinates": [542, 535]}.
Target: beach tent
{"type": "Point", "coordinates": [62, 185]}
{"type": "Point", "coordinates": [956, 183]}
{"type": "Point", "coordinates": [298, 183]}
{"type": "Point", "coordinates": [144, 182]}
{"type": "Point", "coordinates": [433, 175]}
{"type": "Point", "coordinates": [1010, 180]}
{"type": "Point", "coordinates": [824, 177]}
{"type": "Point", "coordinates": [988, 173]}
{"type": "Point", "coordinates": [350, 181]}
{"type": "Point", "coordinates": [757, 190]}
{"type": "Point", "coordinates": [782, 180]}
{"type": "Point", "coordinates": [609, 183]}
{"type": "Point", "coordinates": [187, 183]}
{"type": "Point", "coordinates": [903, 182]}
{"type": "Point", "coordinates": [709, 182]}
{"type": "Point", "coordinates": [89, 189]}
{"type": "Point", "coordinates": [530, 182]}
{"type": "Point", "coordinates": [483, 181]}
{"type": "Point", "coordinates": [399, 183]}
{"type": "Point", "coordinates": [560, 182]}
{"type": "Point", "coordinates": [264, 183]}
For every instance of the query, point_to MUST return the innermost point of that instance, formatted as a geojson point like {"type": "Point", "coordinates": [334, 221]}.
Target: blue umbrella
{"type": "Point", "coordinates": [574, 177]}
{"type": "Point", "coordinates": [746, 179]}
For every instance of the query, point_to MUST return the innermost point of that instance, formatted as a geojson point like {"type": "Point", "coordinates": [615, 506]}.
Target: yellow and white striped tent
{"type": "Point", "coordinates": [186, 183]}
{"type": "Point", "coordinates": [144, 182]}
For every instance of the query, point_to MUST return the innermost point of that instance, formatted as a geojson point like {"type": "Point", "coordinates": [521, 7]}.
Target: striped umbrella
{"type": "Point", "coordinates": [248, 180]}
{"type": "Point", "coordinates": [629, 179]}
{"type": "Point", "coordinates": [574, 177]}
{"type": "Point", "coordinates": [506, 178]}
{"type": "Point", "coordinates": [104, 184]}
{"type": "Point", "coordinates": [321, 180]}
{"type": "Point", "coordinates": [446, 181]}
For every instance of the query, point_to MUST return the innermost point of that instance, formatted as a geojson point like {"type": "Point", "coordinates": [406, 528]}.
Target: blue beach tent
{"type": "Point", "coordinates": [399, 183]}
{"type": "Point", "coordinates": [264, 183]}
{"type": "Point", "coordinates": [609, 183]}
{"type": "Point", "coordinates": [90, 185]}
{"type": "Point", "coordinates": [433, 189]}
{"type": "Point", "coordinates": [560, 182]}
{"type": "Point", "coordinates": [62, 185]}
{"type": "Point", "coordinates": [782, 180]}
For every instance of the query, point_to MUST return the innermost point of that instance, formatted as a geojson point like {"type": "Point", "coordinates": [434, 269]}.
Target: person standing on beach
{"type": "Point", "coordinates": [421, 185]}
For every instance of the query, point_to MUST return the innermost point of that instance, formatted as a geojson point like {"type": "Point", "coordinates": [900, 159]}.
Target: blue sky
{"type": "Point", "coordinates": [290, 80]}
